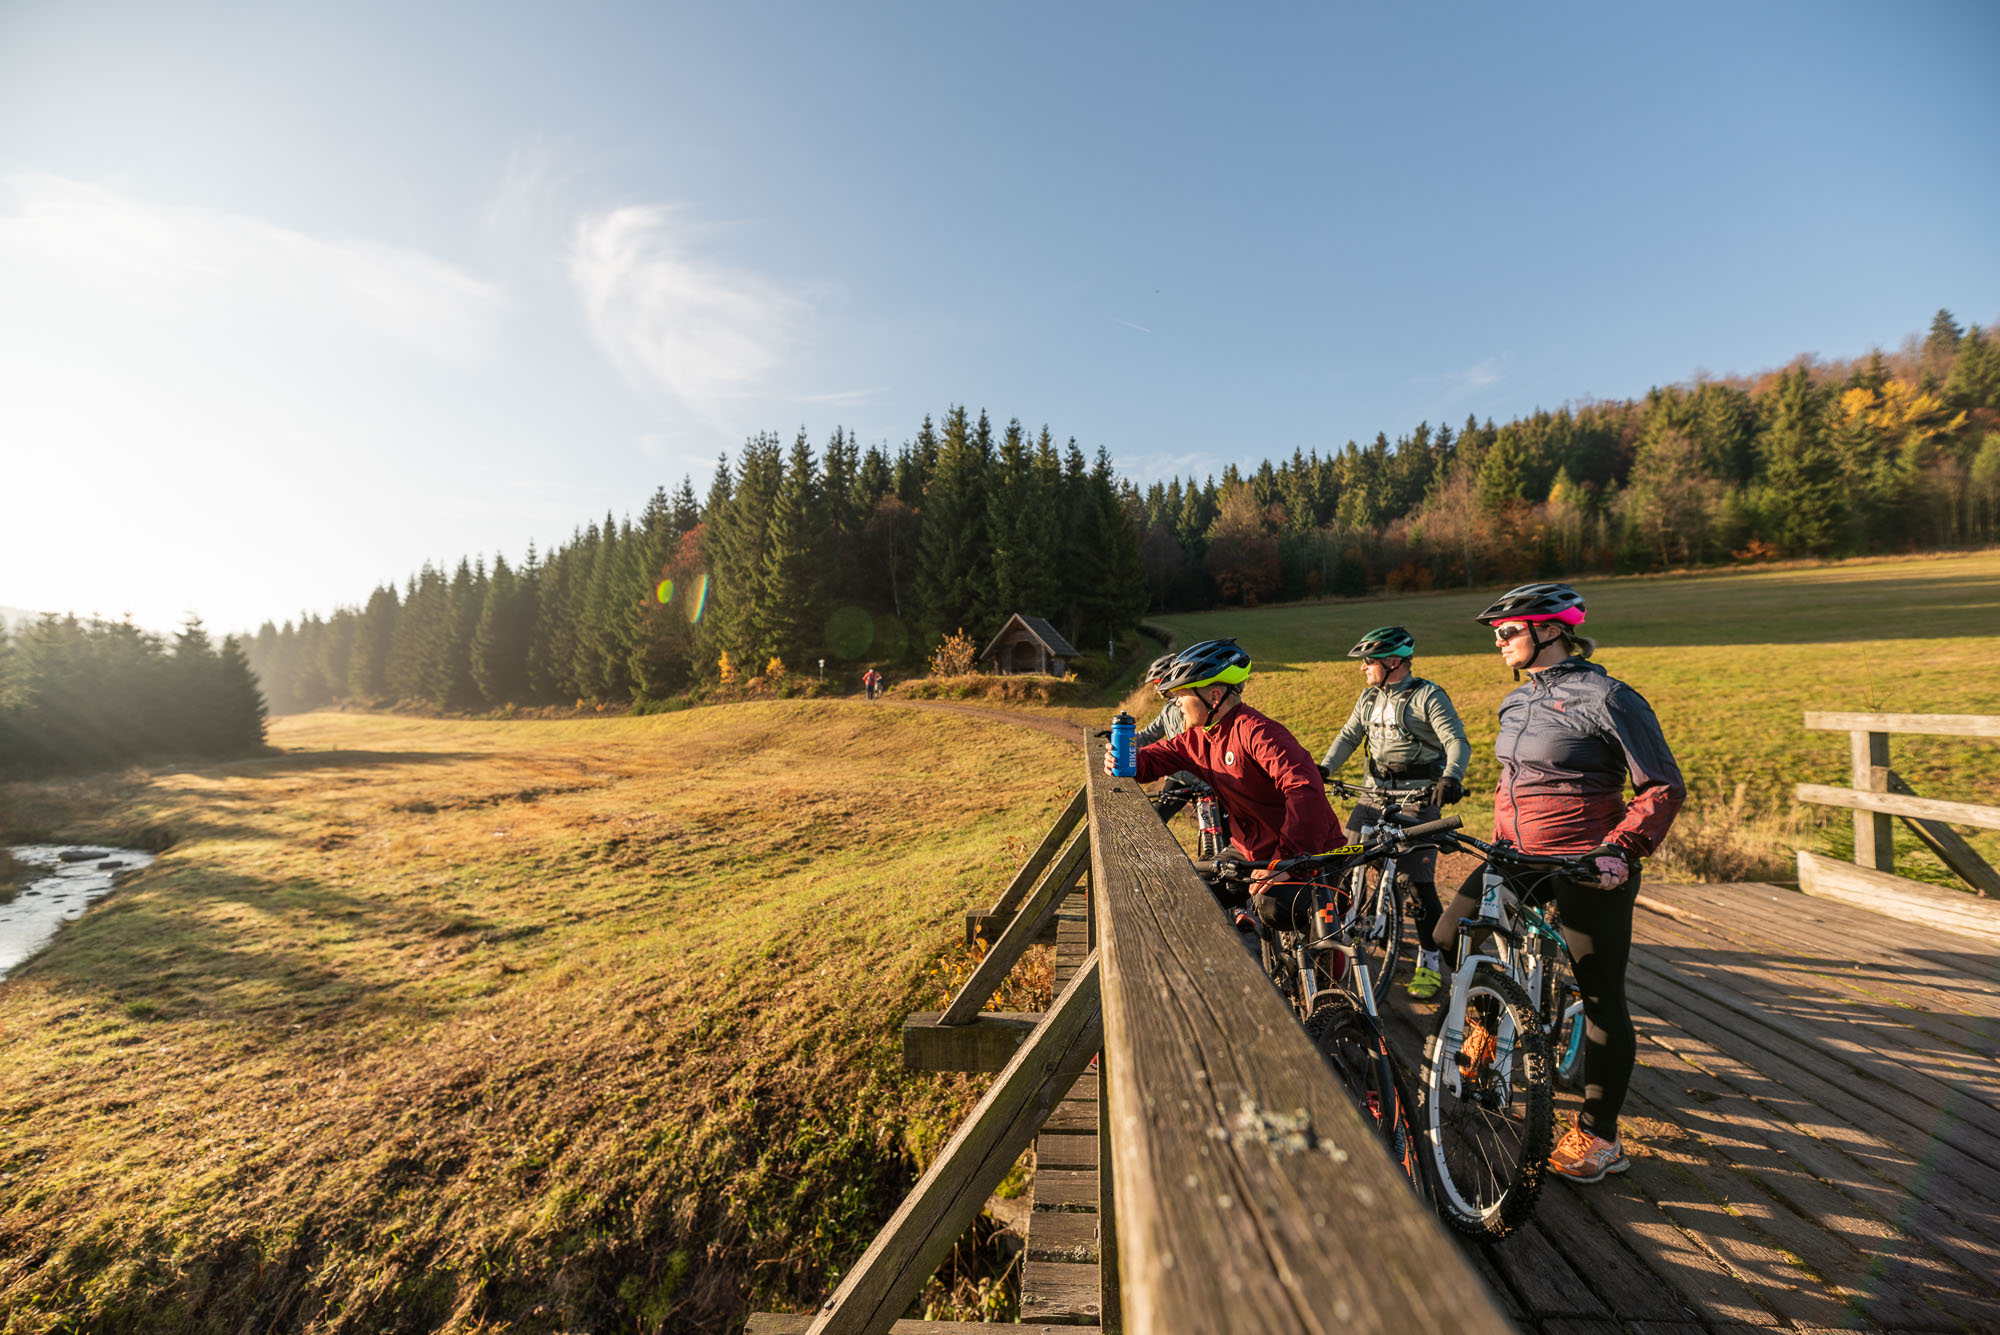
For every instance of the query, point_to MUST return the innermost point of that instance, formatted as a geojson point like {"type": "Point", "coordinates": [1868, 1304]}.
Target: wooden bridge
{"type": "Point", "coordinates": [1814, 1127]}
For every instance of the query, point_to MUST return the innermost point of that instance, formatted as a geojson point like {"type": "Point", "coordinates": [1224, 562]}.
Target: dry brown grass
{"type": "Point", "coordinates": [431, 1025]}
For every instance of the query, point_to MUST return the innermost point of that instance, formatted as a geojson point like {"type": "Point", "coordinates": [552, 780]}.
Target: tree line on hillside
{"type": "Point", "coordinates": [795, 555]}
{"type": "Point", "coordinates": [1885, 453]}
{"type": "Point", "coordinates": [85, 695]}
{"type": "Point", "coordinates": [853, 554]}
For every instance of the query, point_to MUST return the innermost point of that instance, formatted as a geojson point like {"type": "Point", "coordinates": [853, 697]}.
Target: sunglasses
{"type": "Point", "coordinates": [1502, 634]}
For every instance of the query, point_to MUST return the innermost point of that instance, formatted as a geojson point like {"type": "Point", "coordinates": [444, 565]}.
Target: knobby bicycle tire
{"type": "Point", "coordinates": [1489, 1158]}
{"type": "Point", "coordinates": [1354, 1047]}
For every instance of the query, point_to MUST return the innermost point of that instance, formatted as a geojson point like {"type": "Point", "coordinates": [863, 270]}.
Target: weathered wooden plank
{"type": "Point", "coordinates": [988, 1043]}
{"type": "Point", "coordinates": [1543, 1278]}
{"type": "Point", "coordinates": [999, 961]}
{"type": "Point", "coordinates": [1065, 1235]}
{"type": "Point", "coordinates": [1065, 1189]}
{"type": "Point", "coordinates": [1801, 1091]}
{"type": "Point", "coordinates": [1619, 1277]}
{"type": "Point", "coordinates": [1928, 725]}
{"type": "Point", "coordinates": [1895, 804]}
{"type": "Point", "coordinates": [785, 1323]}
{"type": "Point", "coordinates": [1061, 1293]}
{"type": "Point", "coordinates": [1111, 1314]}
{"type": "Point", "coordinates": [953, 1190]}
{"type": "Point", "coordinates": [1877, 1263]}
{"type": "Point", "coordinates": [1009, 902]}
{"type": "Point", "coordinates": [1239, 1166]}
{"type": "Point", "coordinates": [1941, 839]}
{"type": "Point", "coordinates": [1073, 1115]}
{"type": "Point", "coordinates": [1944, 910]}
{"type": "Point", "coordinates": [1066, 1150]}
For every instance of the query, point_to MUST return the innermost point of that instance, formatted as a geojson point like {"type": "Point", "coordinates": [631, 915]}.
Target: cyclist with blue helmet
{"type": "Point", "coordinates": [1415, 740]}
{"type": "Point", "coordinates": [1169, 720]}
{"type": "Point", "coordinates": [1266, 780]}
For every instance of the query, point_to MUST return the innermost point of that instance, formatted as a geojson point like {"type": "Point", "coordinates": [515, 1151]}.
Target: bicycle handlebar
{"type": "Point", "coordinates": [1240, 868]}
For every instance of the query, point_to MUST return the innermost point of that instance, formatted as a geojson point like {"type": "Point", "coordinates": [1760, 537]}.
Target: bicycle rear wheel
{"type": "Point", "coordinates": [1372, 916]}
{"type": "Point", "coordinates": [1353, 1046]}
{"type": "Point", "coordinates": [1489, 1143]}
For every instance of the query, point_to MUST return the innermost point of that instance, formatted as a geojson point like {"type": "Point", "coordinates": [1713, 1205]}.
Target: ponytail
{"type": "Point", "coordinates": [1582, 646]}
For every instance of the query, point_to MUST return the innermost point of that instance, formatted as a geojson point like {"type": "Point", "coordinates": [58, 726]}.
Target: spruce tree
{"type": "Point", "coordinates": [954, 567]}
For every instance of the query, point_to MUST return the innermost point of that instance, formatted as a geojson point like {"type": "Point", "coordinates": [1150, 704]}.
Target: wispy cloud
{"type": "Point", "coordinates": [222, 261]}
{"type": "Point", "coordinates": [1127, 323]}
{"type": "Point", "coordinates": [1478, 376]}
{"type": "Point", "coordinates": [846, 398]}
{"type": "Point", "coordinates": [704, 332]}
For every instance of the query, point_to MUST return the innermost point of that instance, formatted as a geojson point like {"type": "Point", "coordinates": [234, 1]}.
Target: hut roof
{"type": "Point", "coordinates": [1050, 637]}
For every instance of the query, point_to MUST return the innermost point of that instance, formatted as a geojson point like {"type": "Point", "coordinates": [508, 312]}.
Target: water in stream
{"type": "Point", "coordinates": [73, 877]}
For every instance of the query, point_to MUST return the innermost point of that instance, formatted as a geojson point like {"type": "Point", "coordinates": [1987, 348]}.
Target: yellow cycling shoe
{"type": "Point", "coordinates": [1425, 984]}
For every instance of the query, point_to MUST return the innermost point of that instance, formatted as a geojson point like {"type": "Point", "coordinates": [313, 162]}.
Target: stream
{"type": "Point", "coordinates": [72, 878]}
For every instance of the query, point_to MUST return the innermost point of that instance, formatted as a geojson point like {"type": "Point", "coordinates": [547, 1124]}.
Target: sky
{"type": "Point", "coordinates": [295, 298]}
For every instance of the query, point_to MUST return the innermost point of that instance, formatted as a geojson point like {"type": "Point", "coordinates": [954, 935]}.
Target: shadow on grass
{"type": "Point", "coordinates": [183, 945]}
{"type": "Point", "coordinates": [299, 761]}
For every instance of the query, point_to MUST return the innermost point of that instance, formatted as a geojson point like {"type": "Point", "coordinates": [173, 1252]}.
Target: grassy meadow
{"type": "Point", "coordinates": [535, 1026]}
{"type": "Point", "coordinates": [1730, 661]}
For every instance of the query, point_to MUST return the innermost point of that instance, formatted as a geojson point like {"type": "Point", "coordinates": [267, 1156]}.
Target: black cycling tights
{"type": "Point", "coordinates": [1598, 927]}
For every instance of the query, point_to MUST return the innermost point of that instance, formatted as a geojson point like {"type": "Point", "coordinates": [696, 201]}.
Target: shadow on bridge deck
{"type": "Point", "coordinates": [1814, 1128]}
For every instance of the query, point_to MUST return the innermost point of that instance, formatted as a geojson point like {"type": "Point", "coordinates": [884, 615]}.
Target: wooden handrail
{"type": "Point", "coordinates": [1249, 1197]}
{"type": "Point", "coordinates": [1930, 725]}
{"type": "Point", "coordinates": [1895, 804]}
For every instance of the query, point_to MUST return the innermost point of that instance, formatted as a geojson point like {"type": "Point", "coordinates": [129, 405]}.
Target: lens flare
{"type": "Point", "coordinates": [697, 597]}
{"type": "Point", "coordinates": [665, 592]}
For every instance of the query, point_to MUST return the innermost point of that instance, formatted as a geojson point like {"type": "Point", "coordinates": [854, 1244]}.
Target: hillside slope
{"type": "Point", "coordinates": [440, 1025]}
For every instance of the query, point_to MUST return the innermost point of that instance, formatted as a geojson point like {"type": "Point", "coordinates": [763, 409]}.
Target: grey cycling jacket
{"type": "Point", "coordinates": [1167, 723]}
{"type": "Point", "coordinates": [1411, 729]}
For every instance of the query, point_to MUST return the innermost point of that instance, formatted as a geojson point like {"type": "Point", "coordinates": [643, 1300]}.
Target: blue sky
{"type": "Point", "coordinates": [293, 298]}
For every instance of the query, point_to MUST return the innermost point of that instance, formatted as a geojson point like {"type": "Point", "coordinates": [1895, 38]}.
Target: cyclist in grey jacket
{"type": "Point", "coordinates": [1168, 722]}
{"type": "Point", "coordinates": [1414, 739]}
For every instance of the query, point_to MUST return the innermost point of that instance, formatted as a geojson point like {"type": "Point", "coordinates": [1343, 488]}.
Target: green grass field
{"type": "Point", "coordinates": [1730, 662]}
{"type": "Point", "coordinates": [480, 1026]}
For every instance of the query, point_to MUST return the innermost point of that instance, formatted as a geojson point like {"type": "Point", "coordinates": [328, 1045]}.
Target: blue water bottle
{"type": "Point", "coordinates": [1124, 747]}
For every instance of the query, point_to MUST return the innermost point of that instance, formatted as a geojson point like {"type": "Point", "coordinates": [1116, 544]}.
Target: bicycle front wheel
{"type": "Point", "coordinates": [1353, 1046]}
{"type": "Point", "coordinates": [1488, 1142]}
{"type": "Point", "coordinates": [1562, 1017]}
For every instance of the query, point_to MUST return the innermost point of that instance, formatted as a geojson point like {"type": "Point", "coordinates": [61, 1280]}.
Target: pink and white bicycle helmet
{"type": "Point", "coordinates": [1537, 602]}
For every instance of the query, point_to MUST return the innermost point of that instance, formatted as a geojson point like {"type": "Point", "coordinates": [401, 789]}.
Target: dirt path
{"type": "Point", "coordinates": [1069, 732]}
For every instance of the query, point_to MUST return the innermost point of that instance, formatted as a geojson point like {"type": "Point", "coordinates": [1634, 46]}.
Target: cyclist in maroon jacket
{"type": "Point", "coordinates": [1267, 781]}
{"type": "Point", "coordinates": [1570, 737]}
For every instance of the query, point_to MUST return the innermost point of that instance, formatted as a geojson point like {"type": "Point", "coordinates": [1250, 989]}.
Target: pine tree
{"type": "Point", "coordinates": [954, 568]}
{"type": "Point", "coordinates": [1800, 467]}
{"type": "Point", "coordinates": [794, 584]}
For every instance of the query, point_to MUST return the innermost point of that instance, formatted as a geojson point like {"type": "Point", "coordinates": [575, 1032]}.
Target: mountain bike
{"type": "Point", "coordinates": [1375, 892]}
{"type": "Point", "coordinates": [1337, 1002]}
{"type": "Point", "coordinates": [1489, 1105]}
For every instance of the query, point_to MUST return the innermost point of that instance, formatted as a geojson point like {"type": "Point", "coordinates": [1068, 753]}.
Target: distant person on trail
{"type": "Point", "coordinates": [1266, 781]}
{"type": "Point", "coordinates": [1569, 737]}
{"type": "Point", "coordinates": [1414, 740]}
{"type": "Point", "coordinates": [871, 683]}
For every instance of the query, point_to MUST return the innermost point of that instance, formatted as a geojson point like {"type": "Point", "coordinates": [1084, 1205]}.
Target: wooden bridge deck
{"type": "Point", "coordinates": [1814, 1125]}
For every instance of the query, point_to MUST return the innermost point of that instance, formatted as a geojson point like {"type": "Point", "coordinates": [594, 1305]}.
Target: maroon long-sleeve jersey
{"type": "Point", "coordinates": [1268, 783]}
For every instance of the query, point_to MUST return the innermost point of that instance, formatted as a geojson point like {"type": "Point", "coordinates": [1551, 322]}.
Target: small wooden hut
{"type": "Point", "coordinates": [1028, 644]}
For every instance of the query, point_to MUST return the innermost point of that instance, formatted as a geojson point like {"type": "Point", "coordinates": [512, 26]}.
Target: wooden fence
{"type": "Point", "coordinates": [1878, 796]}
{"type": "Point", "coordinates": [1238, 1189]}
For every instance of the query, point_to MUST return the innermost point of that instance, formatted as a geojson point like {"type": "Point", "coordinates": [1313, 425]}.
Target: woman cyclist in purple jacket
{"type": "Point", "coordinates": [1570, 737]}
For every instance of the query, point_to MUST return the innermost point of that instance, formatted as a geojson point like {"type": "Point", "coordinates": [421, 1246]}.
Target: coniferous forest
{"type": "Point", "coordinates": [89, 695]}
{"type": "Point", "coordinates": [856, 554]}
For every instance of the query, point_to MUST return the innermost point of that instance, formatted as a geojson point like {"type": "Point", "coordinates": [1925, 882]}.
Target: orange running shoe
{"type": "Point", "coordinates": [1582, 1157]}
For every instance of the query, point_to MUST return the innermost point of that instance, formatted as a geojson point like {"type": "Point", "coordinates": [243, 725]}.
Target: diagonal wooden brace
{"type": "Point", "coordinates": [1010, 898]}
{"type": "Point", "coordinates": [1027, 925]}
{"type": "Point", "coordinates": [893, 1271]}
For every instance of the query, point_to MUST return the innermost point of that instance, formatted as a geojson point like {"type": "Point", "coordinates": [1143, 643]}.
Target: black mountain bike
{"type": "Point", "coordinates": [1326, 976]}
